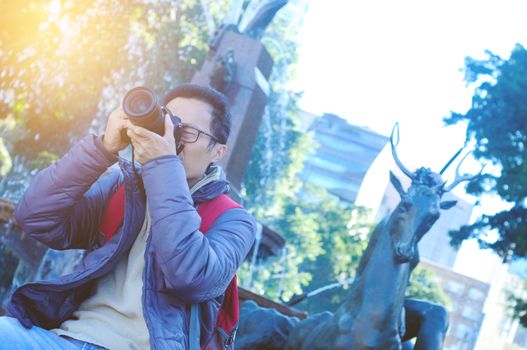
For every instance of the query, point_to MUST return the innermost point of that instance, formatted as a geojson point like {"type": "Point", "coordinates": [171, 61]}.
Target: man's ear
{"type": "Point", "coordinates": [219, 151]}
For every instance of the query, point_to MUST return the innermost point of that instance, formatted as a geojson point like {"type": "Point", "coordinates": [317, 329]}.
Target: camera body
{"type": "Point", "coordinates": [141, 106]}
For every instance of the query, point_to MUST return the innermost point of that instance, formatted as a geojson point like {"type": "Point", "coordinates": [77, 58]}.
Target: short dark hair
{"type": "Point", "coordinates": [221, 118]}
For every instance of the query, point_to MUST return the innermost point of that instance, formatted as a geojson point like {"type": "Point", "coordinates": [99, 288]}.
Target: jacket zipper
{"type": "Point", "coordinates": [145, 290]}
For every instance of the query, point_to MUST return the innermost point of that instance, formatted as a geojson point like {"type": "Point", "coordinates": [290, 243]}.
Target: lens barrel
{"type": "Point", "coordinates": [141, 107]}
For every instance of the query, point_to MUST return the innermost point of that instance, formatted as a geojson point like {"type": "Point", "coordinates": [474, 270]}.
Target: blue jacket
{"type": "Point", "coordinates": [63, 208]}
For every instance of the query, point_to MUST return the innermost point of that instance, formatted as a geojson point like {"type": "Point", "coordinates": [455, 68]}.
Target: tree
{"type": "Point", "coordinates": [324, 242]}
{"type": "Point", "coordinates": [271, 184]}
{"type": "Point", "coordinates": [423, 285]}
{"type": "Point", "coordinates": [344, 232]}
{"type": "Point", "coordinates": [65, 65]}
{"type": "Point", "coordinates": [496, 122]}
{"type": "Point", "coordinates": [56, 62]}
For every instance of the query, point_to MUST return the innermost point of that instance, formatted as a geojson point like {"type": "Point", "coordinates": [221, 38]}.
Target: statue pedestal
{"type": "Point", "coordinates": [247, 93]}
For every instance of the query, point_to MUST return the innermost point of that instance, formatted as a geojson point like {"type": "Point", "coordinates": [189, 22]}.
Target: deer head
{"type": "Point", "coordinates": [420, 205]}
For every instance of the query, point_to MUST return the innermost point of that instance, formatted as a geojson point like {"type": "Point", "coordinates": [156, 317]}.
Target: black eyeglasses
{"type": "Point", "coordinates": [190, 134]}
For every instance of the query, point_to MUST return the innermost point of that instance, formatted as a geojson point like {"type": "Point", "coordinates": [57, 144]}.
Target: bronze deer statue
{"type": "Point", "coordinates": [370, 318]}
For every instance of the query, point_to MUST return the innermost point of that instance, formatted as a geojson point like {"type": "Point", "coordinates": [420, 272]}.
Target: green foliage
{"type": "Point", "coordinates": [516, 303]}
{"type": "Point", "coordinates": [496, 122]}
{"type": "Point", "coordinates": [281, 146]}
{"type": "Point", "coordinates": [65, 63]}
{"type": "Point", "coordinates": [271, 184]}
{"type": "Point", "coordinates": [43, 160]}
{"type": "Point", "coordinates": [5, 159]}
{"type": "Point", "coordinates": [423, 285]}
{"type": "Point", "coordinates": [324, 244]}
{"type": "Point", "coordinates": [344, 233]}
{"type": "Point", "coordinates": [54, 66]}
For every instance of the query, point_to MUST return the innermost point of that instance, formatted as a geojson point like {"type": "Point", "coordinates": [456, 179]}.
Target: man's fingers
{"type": "Point", "coordinates": [136, 139]}
{"type": "Point", "coordinates": [137, 143]}
{"type": "Point", "coordinates": [124, 116]}
{"type": "Point", "coordinates": [138, 131]}
{"type": "Point", "coordinates": [121, 124]}
{"type": "Point", "coordinates": [118, 114]}
{"type": "Point", "coordinates": [131, 135]}
{"type": "Point", "coordinates": [169, 128]}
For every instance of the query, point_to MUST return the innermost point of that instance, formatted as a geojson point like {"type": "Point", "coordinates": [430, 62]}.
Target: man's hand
{"type": "Point", "coordinates": [113, 141]}
{"type": "Point", "coordinates": [149, 145]}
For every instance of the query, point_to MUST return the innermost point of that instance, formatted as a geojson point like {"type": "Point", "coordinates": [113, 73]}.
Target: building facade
{"type": "Point", "coordinates": [344, 154]}
{"type": "Point", "coordinates": [467, 297]}
{"type": "Point", "coordinates": [500, 330]}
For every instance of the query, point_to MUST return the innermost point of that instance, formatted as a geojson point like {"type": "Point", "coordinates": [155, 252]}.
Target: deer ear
{"type": "Point", "coordinates": [447, 204]}
{"type": "Point", "coordinates": [397, 184]}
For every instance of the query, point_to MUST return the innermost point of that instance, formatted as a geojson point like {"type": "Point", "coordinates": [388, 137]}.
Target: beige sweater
{"type": "Point", "coordinates": [113, 316]}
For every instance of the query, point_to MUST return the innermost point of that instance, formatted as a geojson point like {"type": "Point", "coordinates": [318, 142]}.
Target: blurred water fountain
{"type": "Point", "coordinates": [56, 263]}
{"type": "Point", "coordinates": [283, 260]}
{"type": "Point", "coordinates": [18, 255]}
{"type": "Point", "coordinates": [9, 263]}
{"type": "Point", "coordinates": [14, 183]}
{"type": "Point", "coordinates": [256, 247]}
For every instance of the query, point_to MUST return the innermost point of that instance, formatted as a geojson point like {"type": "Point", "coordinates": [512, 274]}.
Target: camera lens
{"type": "Point", "coordinates": [139, 102]}
{"type": "Point", "coordinates": [141, 107]}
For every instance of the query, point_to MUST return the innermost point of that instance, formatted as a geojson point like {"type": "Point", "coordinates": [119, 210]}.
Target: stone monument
{"type": "Point", "coordinates": [239, 66]}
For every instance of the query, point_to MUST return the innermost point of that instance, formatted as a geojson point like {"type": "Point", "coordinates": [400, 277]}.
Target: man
{"type": "Point", "coordinates": [136, 290]}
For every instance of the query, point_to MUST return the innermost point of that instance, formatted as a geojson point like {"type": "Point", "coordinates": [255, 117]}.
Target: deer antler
{"type": "Point", "coordinates": [460, 178]}
{"type": "Point", "coordinates": [450, 161]}
{"type": "Point", "coordinates": [394, 152]}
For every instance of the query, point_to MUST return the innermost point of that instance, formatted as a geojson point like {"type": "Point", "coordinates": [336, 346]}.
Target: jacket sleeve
{"type": "Point", "coordinates": [196, 266]}
{"type": "Point", "coordinates": [62, 207]}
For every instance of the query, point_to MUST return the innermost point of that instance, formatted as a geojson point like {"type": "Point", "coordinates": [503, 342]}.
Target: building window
{"type": "Point", "coordinates": [330, 182]}
{"type": "Point", "coordinates": [325, 164]}
{"type": "Point", "coordinates": [470, 313]}
{"type": "Point", "coordinates": [476, 294]}
{"type": "Point", "coordinates": [341, 145]}
{"type": "Point", "coordinates": [455, 288]}
{"type": "Point", "coordinates": [453, 306]}
{"type": "Point", "coordinates": [454, 346]}
{"type": "Point", "coordinates": [462, 331]}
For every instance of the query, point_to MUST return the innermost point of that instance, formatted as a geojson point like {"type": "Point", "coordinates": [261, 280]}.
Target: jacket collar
{"type": "Point", "coordinates": [212, 185]}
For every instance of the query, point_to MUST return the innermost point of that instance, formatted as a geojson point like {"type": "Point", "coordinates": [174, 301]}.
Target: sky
{"type": "Point", "coordinates": [375, 63]}
{"type": "Point", "coordinates": [378, 62]}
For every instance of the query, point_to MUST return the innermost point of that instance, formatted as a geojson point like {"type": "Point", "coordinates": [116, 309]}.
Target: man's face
{"type": "Point", "coordinates": [198, 155]}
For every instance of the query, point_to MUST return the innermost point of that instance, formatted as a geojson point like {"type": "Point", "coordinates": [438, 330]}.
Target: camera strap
{"type": "Point", "coordinates": [137, 177]}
